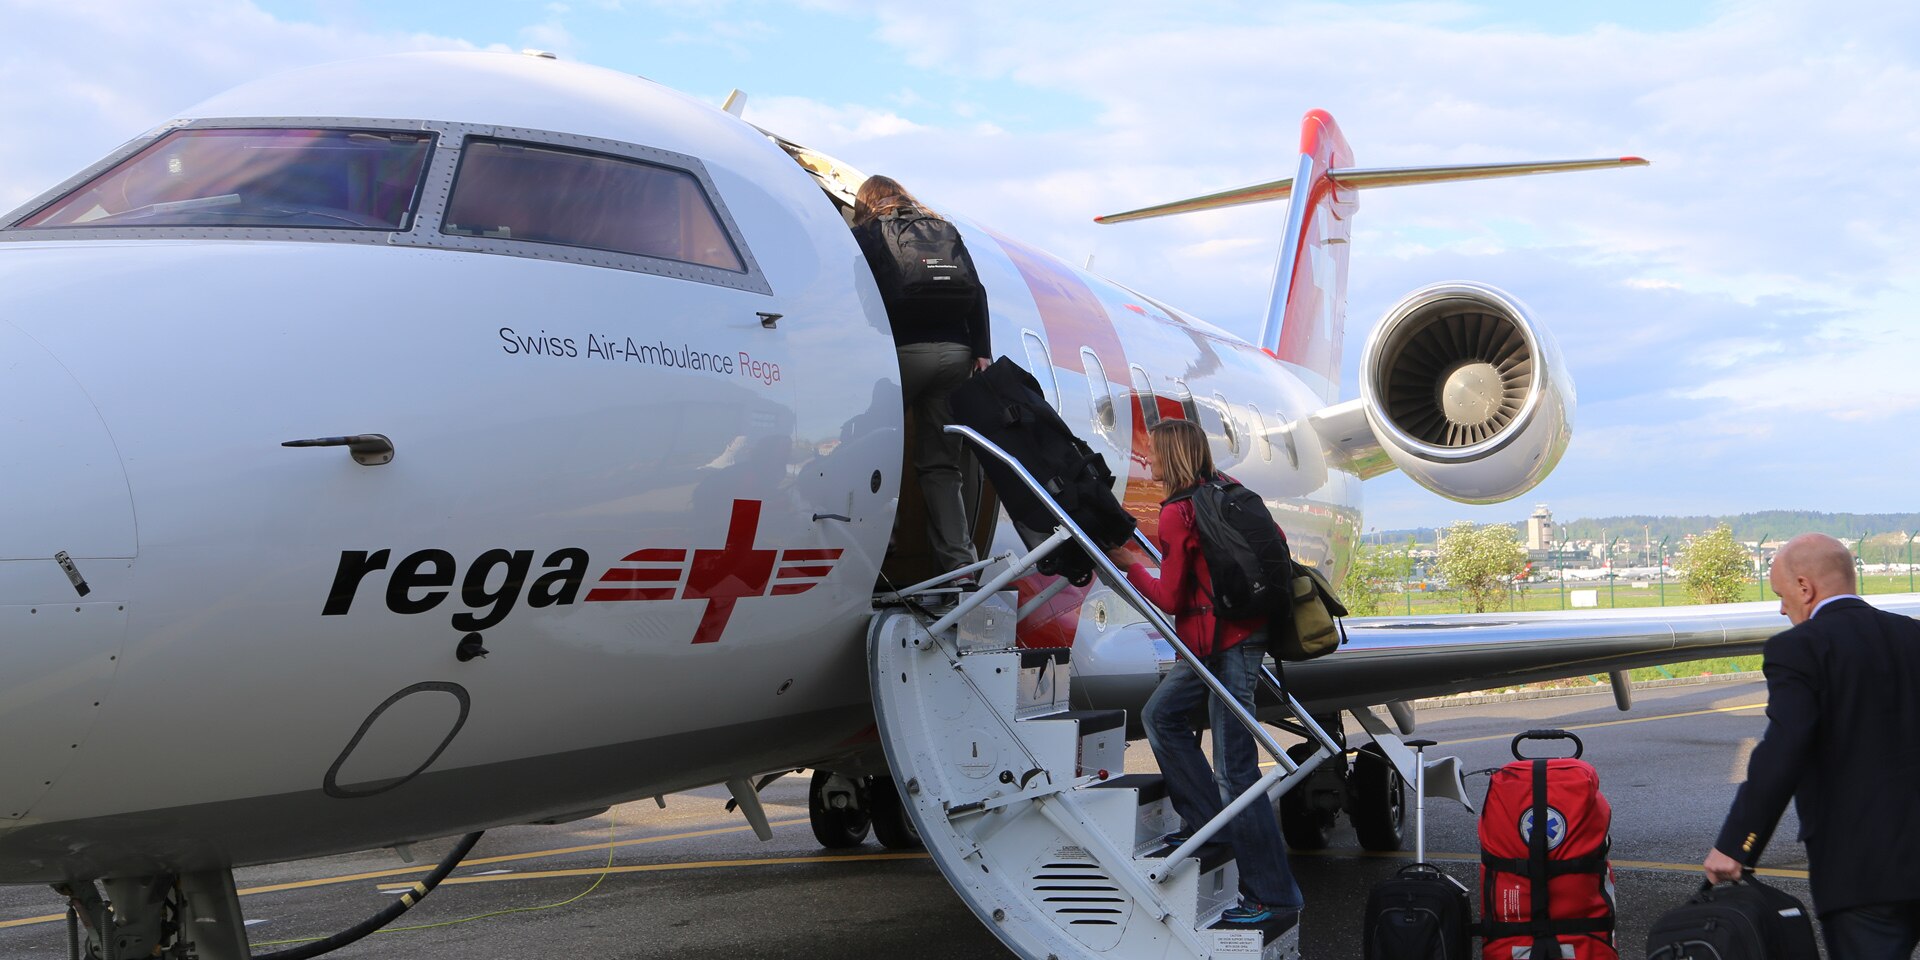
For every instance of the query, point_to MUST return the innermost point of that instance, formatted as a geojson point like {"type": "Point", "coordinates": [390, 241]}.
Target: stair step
{"type": "Point", "coordinates": [1153, 814]}
{"type": "Point", "coordinates": [1044, 680]}
{"type": "Point", "coordinates": [1197, 893]}
{"type": "Point", "coordinates": [1101, 740]}
{"type": "Point", "coordinates": [1274, 939]}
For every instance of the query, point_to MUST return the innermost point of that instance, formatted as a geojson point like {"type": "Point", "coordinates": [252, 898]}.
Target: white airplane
{"type": "Point", "coordinates": [407, 446]}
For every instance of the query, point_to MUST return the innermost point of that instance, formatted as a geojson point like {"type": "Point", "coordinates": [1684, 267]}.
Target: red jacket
{"type": "Point", "coordinates": [1177, 590]}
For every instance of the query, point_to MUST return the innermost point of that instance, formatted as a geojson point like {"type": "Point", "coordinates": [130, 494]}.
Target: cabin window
{"type": "Point", "coordinates": [1041, 365]}
{"type": "Point", "coordinates": [1184, 397]}
{"type": "Point", "coordinates": [510, 190]}
{"type": "Point", "coordinates": [1260, 433]}
{"type": "Point", "coordinates": [1143, 390]}
{"type": "Point", "coordinates": [1227, 432]}
{"type": "Point", "coordinates": [254, 177]}
{"type": "Point", "coordinates": [1105, 418]}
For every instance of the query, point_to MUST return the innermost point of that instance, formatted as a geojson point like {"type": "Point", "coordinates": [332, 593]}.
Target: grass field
{"type": "Point", "coordinates": [1621, 593]}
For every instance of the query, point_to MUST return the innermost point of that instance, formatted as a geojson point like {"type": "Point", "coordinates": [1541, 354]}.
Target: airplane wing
{"type": "Point", "coordinates": [1389, 659]}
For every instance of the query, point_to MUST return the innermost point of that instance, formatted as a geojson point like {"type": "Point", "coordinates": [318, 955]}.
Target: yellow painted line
{"type": "Point", "coordinates": [404, 871]}
{"type": "Point", "coordinates": [1654, 865]}
{"type": "Point", "coordinates": [1614, 723]}
{"type": "Point", "coordinates": [656, 867]}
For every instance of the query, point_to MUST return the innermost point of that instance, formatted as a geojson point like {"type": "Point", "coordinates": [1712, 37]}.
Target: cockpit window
{"type": "Point", "coordinates": [277, 177]}
{"type": "Point", "coordinates": [510, 190]}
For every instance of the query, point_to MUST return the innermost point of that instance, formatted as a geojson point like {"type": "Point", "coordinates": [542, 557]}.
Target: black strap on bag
{"type": "Point", "coordinates": [1545, 944]}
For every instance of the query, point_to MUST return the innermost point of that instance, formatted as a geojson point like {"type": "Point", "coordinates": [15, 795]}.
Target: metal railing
{"type": "Point", "coordinates": [1287, 772]}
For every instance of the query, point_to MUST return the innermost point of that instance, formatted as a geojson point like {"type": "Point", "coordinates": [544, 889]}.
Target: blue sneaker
{"type": "Point", "coordinates": [1247, 911]}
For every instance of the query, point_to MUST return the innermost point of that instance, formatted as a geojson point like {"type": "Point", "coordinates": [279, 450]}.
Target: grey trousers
{"type": "Point", "coordinates": [928, 373]}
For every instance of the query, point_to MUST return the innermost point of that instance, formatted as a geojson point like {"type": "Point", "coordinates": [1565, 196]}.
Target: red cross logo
{"type": "Point", "coordinates": [722, 577]}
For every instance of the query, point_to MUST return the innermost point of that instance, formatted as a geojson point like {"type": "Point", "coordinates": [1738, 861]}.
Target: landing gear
{"type": "Point", "coordinates": [1308, 810]}
{"type": "Point", "coordinates": [1377, 801]}
{"type": "Point", "coordinates": [191, 916]}
{"type": "Point", "coordinates": [891, 824]}
{"type": "Point", "coordinates": [839, 809]}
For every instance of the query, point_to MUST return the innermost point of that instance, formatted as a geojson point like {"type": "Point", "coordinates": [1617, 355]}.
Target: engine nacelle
{"type": "Point", "coordinates": [1466, 392]}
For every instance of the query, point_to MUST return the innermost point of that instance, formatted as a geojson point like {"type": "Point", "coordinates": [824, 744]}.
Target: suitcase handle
{"type": "Point", "coordinates": [1578, 747]}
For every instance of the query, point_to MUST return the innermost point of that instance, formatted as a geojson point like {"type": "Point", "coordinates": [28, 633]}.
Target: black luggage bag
{"type": "Point", "coordinates": [1743, 920]}
{"type": "Point", "coordinates": [1004, 403]}
{"type": "Point", "coordinates": [1419, 913]}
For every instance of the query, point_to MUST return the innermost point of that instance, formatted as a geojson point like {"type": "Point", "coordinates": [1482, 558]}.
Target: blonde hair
{"type": "Point", "coordinates": [879, 196]}
{"type": "Point", "coordinates": [1180, 454]}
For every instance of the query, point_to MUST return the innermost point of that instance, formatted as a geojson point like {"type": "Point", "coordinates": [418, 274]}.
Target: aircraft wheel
{"type": "Point", "coordinates": [1303, 826]}
{"type": "Point", "coordinates": [1379, 800]}
{"type": "Point", "coordinates": [891, 825]}
{"type": "Point", "coordinates": [838, 809]}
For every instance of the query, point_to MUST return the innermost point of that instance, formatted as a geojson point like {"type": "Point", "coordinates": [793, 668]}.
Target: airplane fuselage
{"type": "Point", "coordinates": [659, 510]}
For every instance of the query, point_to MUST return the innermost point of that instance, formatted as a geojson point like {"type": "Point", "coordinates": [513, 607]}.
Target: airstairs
{"type": "Point", "coordinates": [1024, 803]}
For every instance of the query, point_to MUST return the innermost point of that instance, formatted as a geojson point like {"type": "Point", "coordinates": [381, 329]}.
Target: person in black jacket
{"type": "Point", "coordinates": [940, 345]}
{"type": "Point", "coordinates": [1843, 740]}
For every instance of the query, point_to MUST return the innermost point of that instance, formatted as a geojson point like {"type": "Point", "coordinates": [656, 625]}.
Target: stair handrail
{"type": "Point", "coordinates": [1117, 581]}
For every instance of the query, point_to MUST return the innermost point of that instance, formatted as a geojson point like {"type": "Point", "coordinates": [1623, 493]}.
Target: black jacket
{"type": "Point", "coordinates": [963, 322]}
{"type": "Point", "coordinates": [1843, 740]}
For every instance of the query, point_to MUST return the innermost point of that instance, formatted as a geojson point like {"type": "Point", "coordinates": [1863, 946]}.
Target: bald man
{"type": "Point", "coordinates": [1842, 740]}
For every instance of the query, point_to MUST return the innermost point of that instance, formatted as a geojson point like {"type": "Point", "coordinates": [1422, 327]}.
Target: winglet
{"type": "Point", "coordinates": [736, 102]}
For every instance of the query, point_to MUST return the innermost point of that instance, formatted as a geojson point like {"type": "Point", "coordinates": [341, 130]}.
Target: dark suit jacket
{"type": "Point", "coordinates": [1843, 740]}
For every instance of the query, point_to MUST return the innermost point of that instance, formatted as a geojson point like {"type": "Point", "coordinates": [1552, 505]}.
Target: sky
{"type": "Point", "coordinates": [1738, 317]}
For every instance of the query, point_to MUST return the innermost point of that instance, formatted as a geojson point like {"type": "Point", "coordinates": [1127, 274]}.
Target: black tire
{"type": "Point", "coordinates": [1304, 827]}
{"type": "Point", "coordinates": [1378, 798]}
{"type": "Point", "coordinates": [891, 824]}
{"type": "Point", "coordinates": [837, 828]}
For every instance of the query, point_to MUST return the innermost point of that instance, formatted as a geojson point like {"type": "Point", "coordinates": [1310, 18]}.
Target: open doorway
{"type": "Point", "coordinates": [910, 556]}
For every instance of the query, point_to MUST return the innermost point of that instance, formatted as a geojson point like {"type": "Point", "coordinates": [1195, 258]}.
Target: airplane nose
{"type": "Point", "coordinates": [65, 491]}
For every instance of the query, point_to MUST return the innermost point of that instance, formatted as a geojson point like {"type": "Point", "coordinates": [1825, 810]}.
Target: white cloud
{"type": "Point", "coordinates": [81, 78]}
{"type": "Point", "coordinates": [1772, 242]}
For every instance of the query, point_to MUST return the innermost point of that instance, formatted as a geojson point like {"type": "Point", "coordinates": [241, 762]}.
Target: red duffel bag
{"type": "Point", "coordinates": [1546, 894]}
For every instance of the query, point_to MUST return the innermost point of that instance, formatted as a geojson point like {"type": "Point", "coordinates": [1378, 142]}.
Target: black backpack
{"type": "Point", "coordinates": [1419, 913]}
{"type": "Point", "coordinates": [928, 261]}
{"type": "Point", "coordinates": [1246, 551]}
{"type": "Point", "coordinates": [1004, 403]}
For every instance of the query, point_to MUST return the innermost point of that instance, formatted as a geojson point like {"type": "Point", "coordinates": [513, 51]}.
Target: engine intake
{"type": "Point", "coordinates": [1466, 392]}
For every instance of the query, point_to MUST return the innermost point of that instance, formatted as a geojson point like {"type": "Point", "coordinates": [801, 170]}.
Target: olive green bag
{"type": "Point", "coordinates": [1314, 628]}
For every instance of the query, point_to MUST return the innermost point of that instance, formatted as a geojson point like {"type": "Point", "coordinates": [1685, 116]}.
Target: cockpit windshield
{"type": "Point", "coordinates": [275, 177]}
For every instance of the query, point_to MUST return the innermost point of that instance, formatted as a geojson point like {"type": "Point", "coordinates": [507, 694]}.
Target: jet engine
{"type": "Point", "coordinates": [1466, 392]}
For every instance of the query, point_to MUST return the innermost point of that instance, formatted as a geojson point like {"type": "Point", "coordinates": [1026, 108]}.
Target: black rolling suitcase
{"type": "Point", "coordinates": [1743, 920]}
{"type": "Point", "coordinates": [1004, 403]}
{"type": "Point", "coordinates": [1419, 913]}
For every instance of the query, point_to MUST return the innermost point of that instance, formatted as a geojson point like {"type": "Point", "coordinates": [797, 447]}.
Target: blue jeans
{"type": "Point", "coordinates": [1879, 931]}
{"type": "Point", "coordinates": [1197, 792]}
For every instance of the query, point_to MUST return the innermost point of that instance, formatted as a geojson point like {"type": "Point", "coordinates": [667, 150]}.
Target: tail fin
{"type": "Point", "coordinates": [1306, 309]}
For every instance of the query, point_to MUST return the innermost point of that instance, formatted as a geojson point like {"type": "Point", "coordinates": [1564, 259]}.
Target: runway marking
{"type": "Point", "coordinates": [1603, 723]}
{"type": "Point", "coordinates": [481, 861]}
{"type": "Point", "coordinates": [656, 867]}
{"type": "Point", "coordinates": [1650, 865]}
{"type": "Point", "coordinates": [1614, 723]}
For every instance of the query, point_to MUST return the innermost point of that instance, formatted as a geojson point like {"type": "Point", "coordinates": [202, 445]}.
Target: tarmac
{"type": "Point", "coordinates": [692, 881]}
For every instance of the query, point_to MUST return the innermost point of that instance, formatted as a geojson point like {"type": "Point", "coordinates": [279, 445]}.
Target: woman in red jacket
{"type": "Point", "coordinates": [1233, 651]}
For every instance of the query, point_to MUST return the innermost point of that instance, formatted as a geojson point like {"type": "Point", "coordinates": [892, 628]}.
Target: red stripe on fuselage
{"type": "Point", "coordinates": [1074, 318]}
